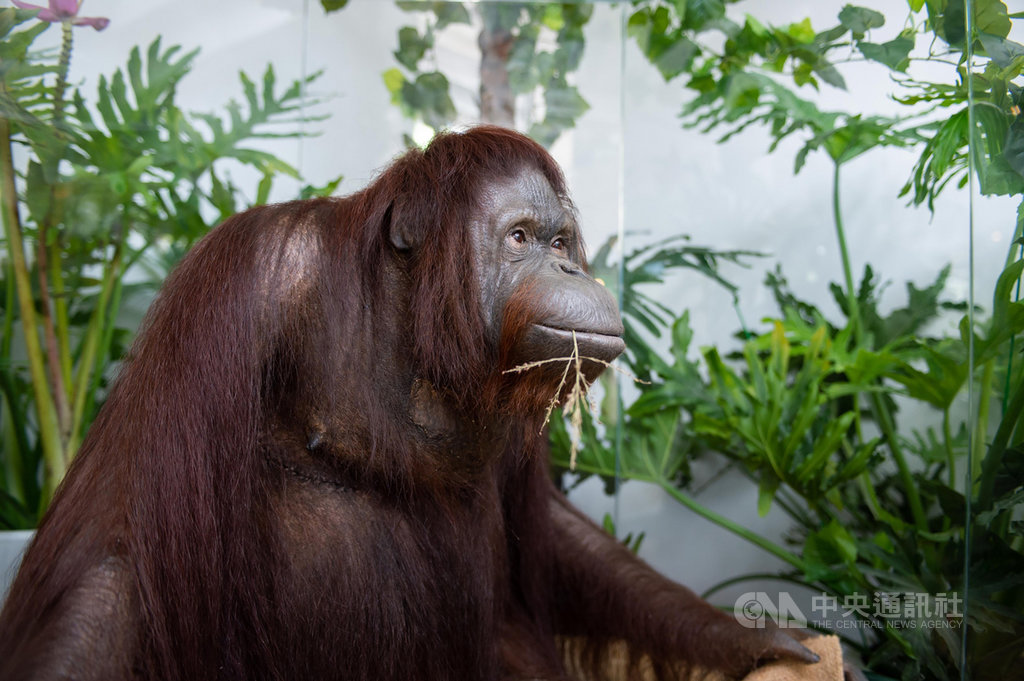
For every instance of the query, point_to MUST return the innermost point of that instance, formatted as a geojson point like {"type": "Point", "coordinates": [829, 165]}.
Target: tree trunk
{"type": "Point", "coordinates": [497, 102]}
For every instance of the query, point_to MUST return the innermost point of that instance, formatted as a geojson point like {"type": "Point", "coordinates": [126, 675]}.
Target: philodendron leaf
{"type": "Point", "coordinates": [765, 493]}
{"type": "Point", "coordinates": [829, 547]}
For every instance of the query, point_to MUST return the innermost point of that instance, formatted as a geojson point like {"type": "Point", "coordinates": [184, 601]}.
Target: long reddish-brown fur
{"type": "Point", "coordinates": [190, 530]}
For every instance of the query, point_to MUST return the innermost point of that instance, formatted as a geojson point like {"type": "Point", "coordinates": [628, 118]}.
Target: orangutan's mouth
{"type": "Point", "coordinates": [592, 344]}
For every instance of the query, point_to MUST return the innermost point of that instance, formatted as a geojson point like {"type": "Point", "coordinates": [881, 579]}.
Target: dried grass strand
{"type": "Point", "coordinates": [577, 396]}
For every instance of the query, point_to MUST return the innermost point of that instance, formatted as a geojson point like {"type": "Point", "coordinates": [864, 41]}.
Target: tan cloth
{"type": "Point", "coordinates": [829, 668]}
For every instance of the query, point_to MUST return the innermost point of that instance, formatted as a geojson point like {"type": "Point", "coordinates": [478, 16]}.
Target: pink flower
{"type": "Point", "coordinates": [64, 10]}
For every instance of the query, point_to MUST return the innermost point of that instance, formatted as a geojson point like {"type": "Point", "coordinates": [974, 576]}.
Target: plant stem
{"type": "Point", "coordinates": [868, 490]}
{"type": "Point", "coordinates": [947, 438]}
{"type": "Point", "coordinates": [49, 429]}
{"type": "Point", "coordinates": [63, 65]}
{"type": "Point", "coordinates": [837, 216]}
{"type": "Point", "coordinates": [56, 270]}
{"type": "Point", "coordinates": [60, 309]}
{"type": "Point", "coordinates": [881, 413]}
{"type": "Point", "coordinates": [108, 339]}
{"type": "Point", "coordinates": [1018, 232]}
{"type": "Point", "coordinates": [46, 232]}
{"type": "Point", "coordinates": [14, 443]}
{"type": "Point", "coordinates": [981, 421]}
{"type": "Point", "coordinates": [768, 576]}
{"type": "Point", "coordinates": [888, 429]}
{"type": "Point", "coordinates": [735, 528]}
{"type": "Point", "coordinates": [57, 385]}
{"type": "Point", "coordinates": [705, 512]}
{"type": "Point", "coordinates": [853, 305]}
{"type": "Point", "coordinates": [994, 458]}
{"type": "Point", "coordinates": [93, 338]}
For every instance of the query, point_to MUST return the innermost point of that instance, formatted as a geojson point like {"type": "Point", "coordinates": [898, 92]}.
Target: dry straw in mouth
{"type": "Point", "coordinates": [577, 398]}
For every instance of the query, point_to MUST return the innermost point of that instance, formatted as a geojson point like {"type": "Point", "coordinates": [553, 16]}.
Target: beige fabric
{"type": "Point", "coordinates": [829, 668]}
{"type": "Point", "coordinates": [615, 666]}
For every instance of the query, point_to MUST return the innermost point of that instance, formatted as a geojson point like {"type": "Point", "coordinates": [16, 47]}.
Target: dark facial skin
{"type": "Point", "coordinates": [529, 248]}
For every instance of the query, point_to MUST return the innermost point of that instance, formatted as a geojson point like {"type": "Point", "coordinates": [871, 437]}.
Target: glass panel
{"type": "Point", "coordinates": [994, 638]}
{"type": "Point", "coordinates": [832, 140]}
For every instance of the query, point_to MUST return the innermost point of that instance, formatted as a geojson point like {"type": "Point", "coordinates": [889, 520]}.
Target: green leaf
{"type": "Point", "coordinates": [38, 191]}
{"type": "Point", "coordinates": [552, 17]}
{"type": "Point", "coordinates": [1003, 293]}
{"type": "Point", "coordinates": [801, 31]}
{"type": "Point", "coordinates": [263, 189]}
{"type": "Point", "coordinates": [333, 5]}
{"type": "Point", "coordinates": [411, 47]}
{"type": "Point", "coordinates": [1009, 502]}
{"type": "Point", "coordinates": [941, 159]}
{"type": "Point", "coordinates": [858, 463]}
{"type": "Point", "coordinates": [700, 13]}
{"type": "Point", "coordinates": [565, 103]}
{"type": "Point", "coordinates": [310, 191]}
{"type": "Point", "coordinates": [860, 20]}
{"type": "Point", "coordinates": [1013, 150]}
{"type": "Point", "coordinates": [995, 176]}
{"type": "Point", "coordinates": [842, 540]}
{"type": "Point", "coordinates": [765, 493]}
{"type": "Point", "coordinates": [829, 73]}
{"type": "Point", "coordinates": [990, 16]}
{"type": "Point", "coordinates": [393, 81]}
{"type": "Point", "coordinates": [894, 54]}
{"type": "Point", "coordinates": [426, 97]}
{"type": "Point", "coordinates": [1002, 51]}
{"type": "Point", "coordinates": [14, 515]}
{"type": "Point", "coordinates": [16, 45]}
{"type": "Point", "coordinates": [449, 13]}
{"type": "Point", "coordinates": [830, 547]}
{"type": "Point", "coordinates": [8, 20]}
{"type": "Point", "coordinates": [677, 58]}
{"type": "Point", "coordinates": [680, 7]}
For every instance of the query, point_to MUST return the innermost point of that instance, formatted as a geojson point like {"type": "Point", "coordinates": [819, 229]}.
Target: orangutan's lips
{"type": "Point", "coordinates": [590, 343]}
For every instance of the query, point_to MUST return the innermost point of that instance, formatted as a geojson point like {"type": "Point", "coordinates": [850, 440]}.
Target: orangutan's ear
{"type": "Point", "coordinates": [402, 224]}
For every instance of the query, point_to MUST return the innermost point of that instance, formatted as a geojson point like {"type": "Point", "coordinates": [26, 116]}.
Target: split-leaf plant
{"type": "Point", "coordinates": [103, 190]}
{"type": "Point", "coordinates": [815, 410]}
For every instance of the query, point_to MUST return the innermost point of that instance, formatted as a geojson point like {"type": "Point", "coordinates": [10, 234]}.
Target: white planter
{"type": "Point", "coordinates": [12, 547]}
